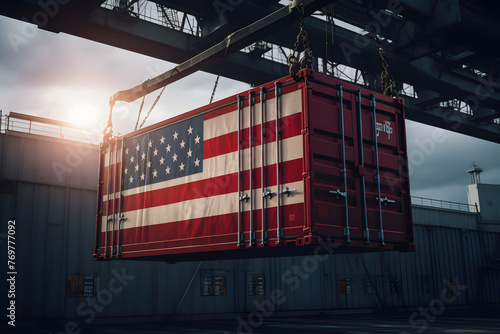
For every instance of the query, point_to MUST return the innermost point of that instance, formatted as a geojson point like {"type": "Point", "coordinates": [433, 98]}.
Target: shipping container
{"type": "Point", "coordinates": [229, 181]}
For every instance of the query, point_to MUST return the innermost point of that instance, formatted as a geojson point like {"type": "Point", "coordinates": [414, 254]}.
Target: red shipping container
{"type": "Point", "coordinates": [214, 183]}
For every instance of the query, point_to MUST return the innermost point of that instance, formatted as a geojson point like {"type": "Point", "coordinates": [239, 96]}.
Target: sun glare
{"type": "Point", "coordinates": [84, 115]}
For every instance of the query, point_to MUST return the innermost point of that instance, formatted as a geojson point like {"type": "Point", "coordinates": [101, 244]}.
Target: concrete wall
{"type": "Point", "coordinates": [487, 197]}
{"type": "Point", "coordinates": [51, 194]}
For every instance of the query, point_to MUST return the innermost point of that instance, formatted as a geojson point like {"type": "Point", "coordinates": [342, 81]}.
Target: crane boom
{"type": "Point", "coordinates": [231, 44]}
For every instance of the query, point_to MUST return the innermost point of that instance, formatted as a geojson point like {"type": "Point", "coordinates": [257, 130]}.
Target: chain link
{"type": "Point", "coordinates": [139, 115]}
{"type": "Point", "coordinates": [152, 107]}
{"type": "Point", "coordinates": [306, 61]}
{"type": "Point", "coordinates": [108, 130]}
{"type": "Point", "coordinates": [388, 83]}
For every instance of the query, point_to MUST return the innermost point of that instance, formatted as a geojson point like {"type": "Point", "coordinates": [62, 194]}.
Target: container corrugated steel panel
{"type": "Point", "coordinates": [332, 167]}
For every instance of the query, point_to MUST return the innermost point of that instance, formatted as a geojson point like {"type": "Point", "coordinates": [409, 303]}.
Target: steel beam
{"type": "Point", "coordinates": [231, 44]}
{"type": "Point", "coordinates": [448, 119]}
{"type": "Point", "coordinates": [435, 76]}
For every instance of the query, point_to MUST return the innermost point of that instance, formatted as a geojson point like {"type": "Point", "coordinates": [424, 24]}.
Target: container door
{"type": "Point", "coordinates": [271, 185]}
{"type": "Point", "coordinates": [333, 183]}
{"type": "Point", "coordinates": [357, 149]}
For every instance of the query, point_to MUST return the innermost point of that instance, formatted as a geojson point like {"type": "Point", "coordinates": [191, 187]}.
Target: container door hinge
{"type": "Point", "coordinates": [287, 191]}
{"type": "Point", "coordinates": [338, 193]}
{"type": "Point", "coordinates": [245, 198]}
{"type": "Point", "coordinates": [347, 234]}
{"type": "Point", "coordinates": [381, 237]}
{"type": "Point", "coordinates": [252, 239]}
{"type": "Point", "coordinates": [343, 173]}
{"type": "Point", "coordinates": [340, 92]}
{"type": "Point", "coordinates": [280, 235]}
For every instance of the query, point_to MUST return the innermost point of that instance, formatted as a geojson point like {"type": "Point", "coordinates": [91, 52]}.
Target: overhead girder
{"type": "Point", "coordinates": [231, 44]}
{"type": "Point", "coordinates": [88, 20]}
{"type": "Point", "coordinates": [449, 119]}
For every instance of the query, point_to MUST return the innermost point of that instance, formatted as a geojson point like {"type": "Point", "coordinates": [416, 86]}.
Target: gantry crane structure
{"type": "Point", "coordinates": [442, 53]}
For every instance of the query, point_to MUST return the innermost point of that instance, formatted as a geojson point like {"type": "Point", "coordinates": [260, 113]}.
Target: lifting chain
{"type": "Point", "coordinates": [306, 61]}
{"type": "Point", "coordinates": [388, 83]}
{"type": "Point", "coordinates": [108, 130]}
{"type": "Point", "coordinates": [151, 109]}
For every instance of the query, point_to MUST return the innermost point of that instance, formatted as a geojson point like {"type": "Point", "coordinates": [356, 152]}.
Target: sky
{"type": "Point", "coordinates": [67, 78]}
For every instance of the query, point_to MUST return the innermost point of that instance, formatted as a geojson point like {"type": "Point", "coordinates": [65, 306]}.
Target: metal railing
{"type": "Point", "coordinates": [151, 11]}
{"type": "Point", "coordinates": [20, 123]}
{"type": "Point", "coordinates": [440, 204]}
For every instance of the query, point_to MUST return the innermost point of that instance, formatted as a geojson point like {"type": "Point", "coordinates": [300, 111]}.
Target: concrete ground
{"type": "Point", "coordinates": [481, 321]}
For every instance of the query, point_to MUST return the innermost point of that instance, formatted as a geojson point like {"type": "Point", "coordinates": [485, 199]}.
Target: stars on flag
{"type": "Point", "coordinates": [181, 142]}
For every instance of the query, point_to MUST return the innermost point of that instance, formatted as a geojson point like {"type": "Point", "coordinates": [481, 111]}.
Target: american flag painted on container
{"type": "Point", "coordinates": [164, 154]}
{"type": "Point", "coordinates": [180, 180]}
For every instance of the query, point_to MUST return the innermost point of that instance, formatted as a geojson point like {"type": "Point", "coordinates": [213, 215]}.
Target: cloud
{"type": "Point", "coordinates": [52, 74]}
{"type": "Point", "coordinates": [56, 75]}
{"type": "Point", "coordinates": [438, 168]}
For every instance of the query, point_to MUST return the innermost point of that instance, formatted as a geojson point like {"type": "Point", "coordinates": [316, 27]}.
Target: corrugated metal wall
{"type": "Point", "coordinates": [49, 187]}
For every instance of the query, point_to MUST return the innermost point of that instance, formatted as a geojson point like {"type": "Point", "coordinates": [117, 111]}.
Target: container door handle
{"type": "Point", "coordinates": [338, 193]}
{"type": "Point", "coordinates": [287, 191]}
{"type": "Point", "coordinates": [386, 201]}
{"type": "Point", "coordinates": [268, 193]}
{"type": "Point", "coordinates": [245, 198]}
